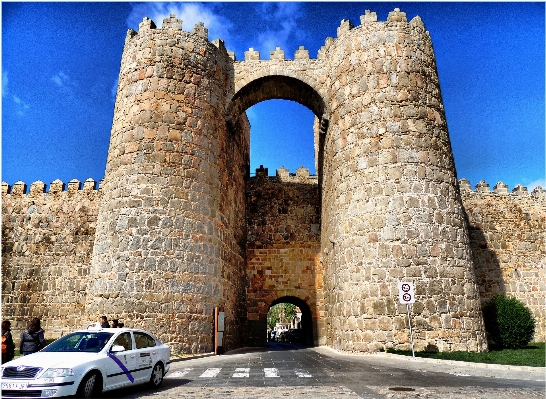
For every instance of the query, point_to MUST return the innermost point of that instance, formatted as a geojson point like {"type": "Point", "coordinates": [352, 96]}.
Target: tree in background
{"type": "Point", "coordinates": [280, 313]}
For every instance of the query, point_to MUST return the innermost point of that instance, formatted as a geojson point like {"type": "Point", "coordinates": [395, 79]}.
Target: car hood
{"type": "Point", "coordinates": [52, 359]}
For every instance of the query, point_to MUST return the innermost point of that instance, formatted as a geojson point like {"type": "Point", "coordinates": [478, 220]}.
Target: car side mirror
{"type": "Point", "coordinates": [117, 348]}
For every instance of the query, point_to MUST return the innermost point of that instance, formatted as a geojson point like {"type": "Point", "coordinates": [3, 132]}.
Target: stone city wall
{"type": "Point", "coordinates": [47, 241]}
{"type": "Point", "coordinates": [508, 240]}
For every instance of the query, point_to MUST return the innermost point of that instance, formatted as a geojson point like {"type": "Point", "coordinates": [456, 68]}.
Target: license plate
{"type": "Point", "coordinates": [14, 385]}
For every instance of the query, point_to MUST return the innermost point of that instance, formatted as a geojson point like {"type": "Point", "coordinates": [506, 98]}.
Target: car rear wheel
{"type": "Point", "coordinates": [157, 375]}
{"type": "Point", "coordinates": [89, 387]}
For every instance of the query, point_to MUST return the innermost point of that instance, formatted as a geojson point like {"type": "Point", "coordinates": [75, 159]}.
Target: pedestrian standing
{"type": "Point", "coordinates": [103, 320]}
{"type": "Point", "coordinates": [32, 338]}
{"type": "Point", "coordinates": [8, 347]}
{"type": "Point", "coordinates": [114, 323]}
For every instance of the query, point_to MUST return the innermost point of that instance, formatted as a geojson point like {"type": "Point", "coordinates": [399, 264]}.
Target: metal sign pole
{"type": "Point", "coordinates": [410, 331]}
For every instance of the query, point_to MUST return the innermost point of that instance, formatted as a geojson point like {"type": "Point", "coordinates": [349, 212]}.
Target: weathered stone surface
{"type": "Point", "coordinates": [178, 227]}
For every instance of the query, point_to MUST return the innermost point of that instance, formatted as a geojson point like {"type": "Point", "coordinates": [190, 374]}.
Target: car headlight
{"type": "Point", "coordinates": [51, 373]}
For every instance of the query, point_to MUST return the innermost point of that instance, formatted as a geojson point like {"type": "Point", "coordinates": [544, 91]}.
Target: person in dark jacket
{"type": "Point", "coordinates": [103, 320]}
{"type": "Point", "coordinates": [8, 347]}
{"type": "Point", "coordinates": [32, 338]}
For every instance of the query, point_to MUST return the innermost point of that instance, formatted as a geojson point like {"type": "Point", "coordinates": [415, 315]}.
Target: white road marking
{"type": "Point", "coordinates": [302, 373]}
{"type": "Point", "coordinates": [180, 373]}
{"type": "Point", "coordinates": [209, 373]}
{"type": "Point", "coordinates": [241, 373]}
{"type": "Point", "coordinates": [271, 372]}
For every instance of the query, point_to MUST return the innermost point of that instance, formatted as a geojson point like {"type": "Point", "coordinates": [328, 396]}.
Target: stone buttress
{"type": "Point", "coordinates": [391, 207]}
{"type": "Point", "coordinates": [169, 244]}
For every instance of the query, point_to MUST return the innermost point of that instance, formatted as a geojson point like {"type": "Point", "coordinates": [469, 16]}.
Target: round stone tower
{"type": "Point", "coordinates": [391, 207]}
{"type": "Point", "coordinates": [170, 230]}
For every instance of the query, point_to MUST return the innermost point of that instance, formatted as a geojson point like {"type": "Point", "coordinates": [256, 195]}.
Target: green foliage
{"type": "Point", "coordinates": [509, 322]}
{"type": "Point", "coordinates": [280, 313]}
{"type": "Point", "coordinates": [533, 355]}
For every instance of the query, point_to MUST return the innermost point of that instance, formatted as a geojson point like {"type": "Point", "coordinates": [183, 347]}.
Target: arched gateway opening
{"type": "Point", "coordinates": [283, 221]}
{"type": "Point", "coordinates": [306, 322]}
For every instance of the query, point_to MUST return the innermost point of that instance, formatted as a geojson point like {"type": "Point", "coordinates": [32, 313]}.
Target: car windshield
{"type": "Point", "coordinates": [82, 341]}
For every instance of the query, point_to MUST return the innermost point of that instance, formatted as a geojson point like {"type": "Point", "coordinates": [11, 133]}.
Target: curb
{"type": "Point", "coordinates": [463, 363]}
{"type": "Point", "coordinates": [537, 373]}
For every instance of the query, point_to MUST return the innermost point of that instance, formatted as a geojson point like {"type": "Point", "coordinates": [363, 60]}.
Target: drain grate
{"type": "Point", "coordinates": [401, 389]}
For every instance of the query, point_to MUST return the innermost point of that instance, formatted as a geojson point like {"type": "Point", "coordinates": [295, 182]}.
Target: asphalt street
{"type": "Point", "coordinates": [292, 371]}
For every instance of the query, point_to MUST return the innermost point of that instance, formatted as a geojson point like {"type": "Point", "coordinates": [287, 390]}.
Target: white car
{"type": "Point", "coordinates": [86, 363]}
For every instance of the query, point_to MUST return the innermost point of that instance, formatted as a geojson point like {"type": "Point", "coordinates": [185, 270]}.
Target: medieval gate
{"type": "Point", "coordinates": [179, 230]}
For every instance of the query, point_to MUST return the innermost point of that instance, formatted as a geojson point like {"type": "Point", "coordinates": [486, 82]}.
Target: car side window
{"type": "Point", "coordinates": [124, 340]}
{"type": "Point", "coordinates": [143, 340]}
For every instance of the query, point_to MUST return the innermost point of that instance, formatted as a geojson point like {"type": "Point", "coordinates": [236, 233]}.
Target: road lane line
{"type": "Point", "coordinates": [271, 372]}
{"type": "Point", "coordinates": [241, 372]}
{"type": "Point", "coordinates": [210, 373]}
{"type": "Point", "coordinates": [180, 373]}
{"type": "Point", "coordinates": [302, 373]}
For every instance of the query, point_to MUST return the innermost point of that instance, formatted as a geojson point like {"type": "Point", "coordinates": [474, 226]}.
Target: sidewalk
{"type": "Point", "coordinates": [454, 367]}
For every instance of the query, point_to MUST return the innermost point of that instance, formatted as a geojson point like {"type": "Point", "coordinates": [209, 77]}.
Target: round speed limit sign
{"type": "Point", "coordinates": [405, 292]}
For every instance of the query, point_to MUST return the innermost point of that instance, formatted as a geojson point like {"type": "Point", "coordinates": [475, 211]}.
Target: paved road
{"type": "Point", "coordinates": [291, 371]}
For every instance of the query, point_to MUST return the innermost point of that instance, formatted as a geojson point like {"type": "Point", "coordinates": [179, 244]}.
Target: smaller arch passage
{"type": "Point", "coordinates": [275, 87]}
{"type": "Point", "coordinates": [306, 316]}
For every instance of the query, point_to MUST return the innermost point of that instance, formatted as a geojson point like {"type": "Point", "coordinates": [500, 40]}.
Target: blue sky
{"type": "Point", "coordinates": [60, 64]}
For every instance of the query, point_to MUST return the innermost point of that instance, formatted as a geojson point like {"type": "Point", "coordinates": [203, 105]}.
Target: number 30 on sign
{"type": "Point", "coordinates": [405, 292]}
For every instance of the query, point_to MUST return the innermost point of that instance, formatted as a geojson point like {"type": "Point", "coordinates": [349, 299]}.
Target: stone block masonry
{"type": "Point", "coordinates": [179, 227]}
{"type": "Point", "coordinates": [283, 247]}
{"type": "Point", "coordinates": [508, 240]}
{"type": "Point", "coordinates": [47, 241]}
{"type": "Point", "coordinates": [170, 242]}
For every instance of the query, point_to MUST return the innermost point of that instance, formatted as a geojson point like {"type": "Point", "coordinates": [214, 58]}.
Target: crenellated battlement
{"type": "Point", "coordinates": [170, 23]}
{"type": "Point", "coordinates": [55, 187]}
{"type": "Point", "coordinates": [483, 188]}
{"type": "Point", "coordinates": [302, 175]}
{"type": "Point", "coordinates": [396, 20]}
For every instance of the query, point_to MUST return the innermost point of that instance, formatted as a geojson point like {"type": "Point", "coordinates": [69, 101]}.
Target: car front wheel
{"type": "Point", "coordinates": [157, 375]}
{"type": "Point", "coordinates": [89, 387]}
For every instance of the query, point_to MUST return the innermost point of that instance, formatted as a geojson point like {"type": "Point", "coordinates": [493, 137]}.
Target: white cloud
{"type": "Point", "coordinates": [21, 106]}
{"type": "Point", "coordinates": [114, 90]}
{"type": "Point", "coordinates": [62, 80]}
{"type": "Point", "coordinates": [283, 27]}
{"type": "Point", "coordinates": [189, 13]}
{"type": "Point", "coordinates": [65, 83]}
{"type": "Point", "coordinates": [541, 182]}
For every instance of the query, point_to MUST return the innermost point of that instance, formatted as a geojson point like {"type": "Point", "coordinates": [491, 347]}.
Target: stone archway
{"type": "Point", "coordinates": [283, 213]}
{"type": "Point", "coordinates": [306, 316]}
{"type": "Point", "coordinates": [276, 87]}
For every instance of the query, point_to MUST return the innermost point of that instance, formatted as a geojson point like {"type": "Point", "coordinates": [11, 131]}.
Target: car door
{"type": "Point", "coordinates": [147, 355]}
{"type": "Point", "coordinates": [121, 367]}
